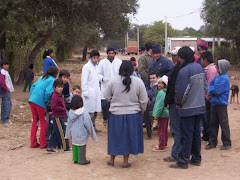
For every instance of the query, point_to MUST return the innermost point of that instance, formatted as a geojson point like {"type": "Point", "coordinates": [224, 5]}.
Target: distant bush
{"type": "Point", "coordinates": [231, 54]}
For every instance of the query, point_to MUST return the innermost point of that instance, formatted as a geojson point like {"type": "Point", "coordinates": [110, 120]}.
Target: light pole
{"type": "Point", "coordinates": [166, 43]}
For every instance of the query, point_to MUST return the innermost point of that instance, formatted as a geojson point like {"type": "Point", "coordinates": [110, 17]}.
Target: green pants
{"type": "Point", "coordinates": [28, 82]}
{"type": "Point", "coordinates": [79, 153]}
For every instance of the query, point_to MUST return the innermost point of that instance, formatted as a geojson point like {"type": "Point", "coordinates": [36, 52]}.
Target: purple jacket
{"type": "Point", "coordinates": [57, 105]}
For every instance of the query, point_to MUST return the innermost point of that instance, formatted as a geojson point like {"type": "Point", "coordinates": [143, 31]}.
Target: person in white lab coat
{"type": "Point", "coordinates": [90, 86]}
{"type": "Point", "coordinates": [107, 69]}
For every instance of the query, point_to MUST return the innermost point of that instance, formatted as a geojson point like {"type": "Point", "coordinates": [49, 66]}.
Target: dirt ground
{"type": "Point", "coordinates": [19, 161]}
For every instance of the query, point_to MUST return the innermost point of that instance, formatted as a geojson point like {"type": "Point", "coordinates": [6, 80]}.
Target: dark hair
{"type": "Point", "coordinates": [57, 82]}
{"type": "Point", "coordinates": [132, 59]}
{"type": "Point", "coordinates": [94, 53]}
{"type": "Point", "coordinates": [126, 70]}
{"type": "Point", "coordinates": [141, 48]}
{"type": "Point", "coordinates": [76, 87]}
{"type": "Point", "coordinates": [64, 72]}
{"type": "Point", "coordinates": [157, 73]}
{"type": "Point", "coordinates": [31, 66]}
{"type": "Point", "coordinates": [76, 103]}
{"type": "Point", "coordinates": [52, 71]}
{"type": "Point", "coordinates": [207, 55]}
{"type": "Point", "coordinates": [3, 62]}
{"type": "Point", "coordinates": [111, 49]}
{"type": "Point", "coordinates": [149, 45]}
{"type": "Point", "coordinates": [186, 53]}
{"type": "Point", "coordinates": [47, 52]}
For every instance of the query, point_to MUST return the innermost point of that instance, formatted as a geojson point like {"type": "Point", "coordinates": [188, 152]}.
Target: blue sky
{"type": "Point", "coordinates": [155, 10]}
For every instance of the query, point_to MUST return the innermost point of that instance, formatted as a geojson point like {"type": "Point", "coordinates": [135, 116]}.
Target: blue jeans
{"type": "Point", "coordinates": [58, 134]}
{"type": "Point", "coordinates": [175, 130]}
{"type": "Point", "coordinates": [190, 139]}
{"type": "Point", "coordinates": [6, 107]}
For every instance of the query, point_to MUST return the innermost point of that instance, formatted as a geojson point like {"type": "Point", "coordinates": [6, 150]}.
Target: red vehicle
{"type": "Point", "coordinates": [132, 47]}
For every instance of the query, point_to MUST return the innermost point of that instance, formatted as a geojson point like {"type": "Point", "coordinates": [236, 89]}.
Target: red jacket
{"type": "Point", "coordinates": [57, 105]}
{"type": "Point", "coordinates": [3, 87]}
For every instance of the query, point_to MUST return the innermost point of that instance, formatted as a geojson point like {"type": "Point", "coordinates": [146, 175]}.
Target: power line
{"type": "Point", "coordinates": [195, 11]}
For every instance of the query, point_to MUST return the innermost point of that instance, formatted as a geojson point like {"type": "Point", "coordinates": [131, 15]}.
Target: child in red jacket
{"type": "Point", "coordinates": [58, 114]}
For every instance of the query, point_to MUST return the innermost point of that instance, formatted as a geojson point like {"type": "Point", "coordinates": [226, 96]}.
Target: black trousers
{"type": "Point", "coordinates": [190, 132]}
{"type": "Point", "coordinates": [219, 116]}
{"type": "Point", "coordinates": [206, 121]}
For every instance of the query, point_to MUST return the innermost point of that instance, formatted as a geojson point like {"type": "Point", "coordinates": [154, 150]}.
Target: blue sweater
{"type": "Point", "coordinates": [47, 62]}
{"type": "Point", "coordinates": [41, 91]}
{"type": "Point", "coordinates": [190, 89]}
{"type": "Point", "coordinates": [219, 89]}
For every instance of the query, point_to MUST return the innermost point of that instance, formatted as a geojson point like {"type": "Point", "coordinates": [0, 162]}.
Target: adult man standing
{"type": "Point", "coordinates": [107, 69]}
{"type": "Point", "coordinates": [144, 61]}
{"type": "Point", "coordinates": [90, 86]}
{"type": "Point", "coordinates": [159, 63]}
{"type": "Point", "coordinates": [189, 97]}
{"type": "Point", "coordinates": [173, 112]}
{"type": "Point", "coordinates": [202, 47]}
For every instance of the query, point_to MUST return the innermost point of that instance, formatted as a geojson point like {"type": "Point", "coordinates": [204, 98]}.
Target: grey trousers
{"type": "Point", "coordinates": [93, 117]}
{"type": "Point", "coordinates": [219, 116]}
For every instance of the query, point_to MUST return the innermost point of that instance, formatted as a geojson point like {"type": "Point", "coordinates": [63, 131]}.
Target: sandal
{"type": "Point", "coordinates": [110, 163]}
{"type": "Point", "coordinates": [126, 166]}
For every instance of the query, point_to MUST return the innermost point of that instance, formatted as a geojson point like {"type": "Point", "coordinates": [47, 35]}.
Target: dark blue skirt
{"type": "Point", "coordinates": [125, 134]}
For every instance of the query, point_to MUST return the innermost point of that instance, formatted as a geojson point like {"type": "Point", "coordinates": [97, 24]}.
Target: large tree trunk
{"type": "Point", "coordinates": [34, 53]}
{"type": "Point", "coordinates": [84, 57]}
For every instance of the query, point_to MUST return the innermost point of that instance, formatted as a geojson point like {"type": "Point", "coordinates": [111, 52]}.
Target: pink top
{"type": "Point", "coordinates": [211, 72]}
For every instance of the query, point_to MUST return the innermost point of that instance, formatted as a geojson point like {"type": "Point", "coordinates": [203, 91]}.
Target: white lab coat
{"type": "Point", "coordinates": [107, 70]}
{"type": "Point", "coordinates": [91, 93]}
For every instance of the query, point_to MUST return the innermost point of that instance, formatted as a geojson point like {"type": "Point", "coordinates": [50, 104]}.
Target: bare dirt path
{"type": "Point", "coordinates": [18, 161]}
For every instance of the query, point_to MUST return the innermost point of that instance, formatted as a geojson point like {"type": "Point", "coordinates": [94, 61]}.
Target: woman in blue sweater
{"type": "Point", "coordinates": [48, 60]}
{"type": "Point", "coordinates": [40, 94]}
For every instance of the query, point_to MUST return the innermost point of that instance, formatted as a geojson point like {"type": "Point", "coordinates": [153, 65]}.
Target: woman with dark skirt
{"type": "Point", "coordinates": [128, 98]}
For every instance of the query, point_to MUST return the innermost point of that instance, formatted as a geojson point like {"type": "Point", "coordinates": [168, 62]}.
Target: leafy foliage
{"type": "Point", "coordinates": [222, 18]}
{"type": "Point", "coordinates": [156, 32]}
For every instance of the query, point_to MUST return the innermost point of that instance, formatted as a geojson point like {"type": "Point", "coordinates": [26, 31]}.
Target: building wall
{"type": "Point", "coordinates": [183, 43]}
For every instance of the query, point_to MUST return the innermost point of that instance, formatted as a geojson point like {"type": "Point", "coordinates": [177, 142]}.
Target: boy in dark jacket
{"type": "Point", "coordinates": [64, 76]}
{"type": "Point", "coordinates": [189, 97]}
{"type": "Point", "coordinates": [28, 77]}
{"type": "Point", "coordinates": [219, 89]}
{"type": "Point", "coordinates": [58, 114]}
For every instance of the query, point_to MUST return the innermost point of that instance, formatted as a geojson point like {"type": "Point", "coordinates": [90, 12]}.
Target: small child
{"type": "Point", "coordinates": [28, 77]}
{"type": "Point", "coordinates": [5, 91]}
{"type": "Point", "coordinates": [58, 114]}
{"type": "Point", "coordinates": [219, 89]}
{"type": "Point", "coordinates": [161, 114]}
{"type": "Point", "coordinates": [78, 128]}
{"type": "Point", "coordinates": [76, 90]}
{"type": "Point", "coordinates": [64, 76]}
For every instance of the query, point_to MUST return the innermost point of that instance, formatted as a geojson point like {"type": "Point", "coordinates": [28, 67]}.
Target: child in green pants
{"type": "Point", "coordinates": [79, 126]}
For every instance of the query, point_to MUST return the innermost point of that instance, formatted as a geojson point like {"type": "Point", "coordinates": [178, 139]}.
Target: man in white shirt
{"type": "Point", "coordinates": [107, 69]}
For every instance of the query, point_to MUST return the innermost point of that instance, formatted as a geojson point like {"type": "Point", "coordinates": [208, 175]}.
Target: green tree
{"type": "Point", "coordinates": [222, 18]}
{"type": "Point", "coordinates": [156, 32]}
{"type": "Point", "coordinates": [37, 21]}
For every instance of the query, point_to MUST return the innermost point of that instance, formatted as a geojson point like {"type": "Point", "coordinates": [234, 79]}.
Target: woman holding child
{"type": "Point", "coordinates": [128, 98]}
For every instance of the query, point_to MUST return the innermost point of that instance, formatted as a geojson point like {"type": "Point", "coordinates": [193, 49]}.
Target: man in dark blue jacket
{"type": "Point", "coordinates": [159, 63]}
{"type": "Point", "coordinates": [190, 90]}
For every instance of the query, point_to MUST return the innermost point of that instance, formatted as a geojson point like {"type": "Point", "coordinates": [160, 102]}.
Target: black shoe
{"type": "Point", "coordinates": [149, 138]}
{"type": "Point", "coordinates": [50, 150]}
{"type": "Point", "coordinates": [210, 146]}
{"type": "Point", "coordinates": [225, 147]}
{"type": "Point", "coordinates": [155, 128]}
{"type": "Point", "coordinates": [75, 162]}
{"type": "Point", "coordinates": [87, 162]}
{"type": "Point", "coordinates": [68, 150]}
{"type": "Point", "coordinates": [196, 163]}
{"type": "Point", "coordinates": [178, 166]}
{"type": "Point", "coordinates": [144, 125]}
{"type": "Point", "coordinates": [170, 159]}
